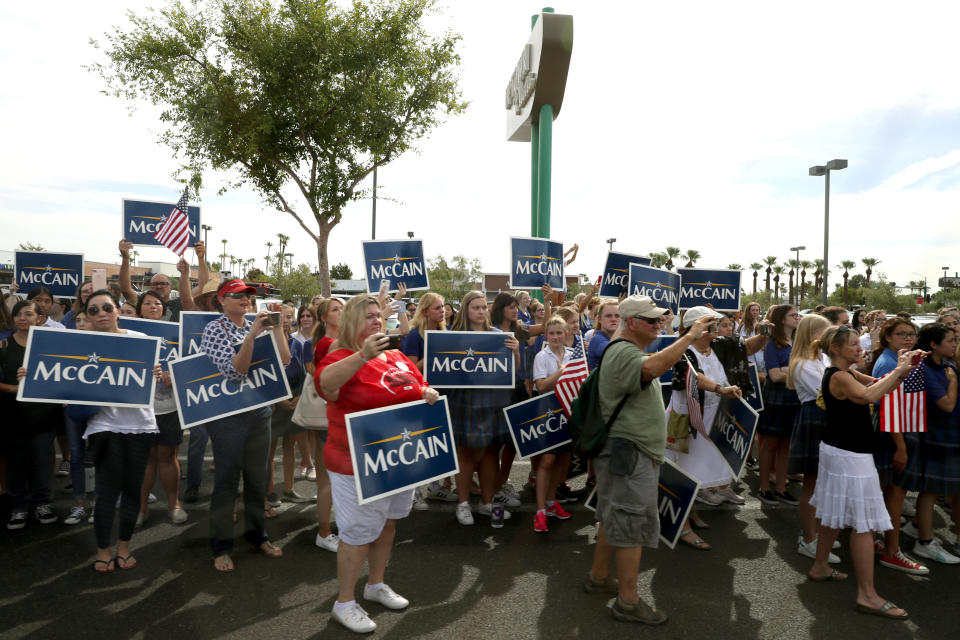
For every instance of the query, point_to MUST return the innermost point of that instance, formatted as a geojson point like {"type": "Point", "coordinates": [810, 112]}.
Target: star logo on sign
{"type": "Point", "coordinates": [658, 285]}
{"type": "Point", "coordinates": [405, 433]}
{"type": "Point", "coordinates": [94, 358]}
{"type": "Point", "coordinates": [469, 352]}
{"type": "Point", "coordinates": [709, 284]}
{"type": "Point", "coordinates": [543, 257]}
{"type": "Point", "coordinates": [162, 220]}
{"type": "Point", "coordinates": [48, 269]}
{"type": "Point", "coordinates": [396, 258]}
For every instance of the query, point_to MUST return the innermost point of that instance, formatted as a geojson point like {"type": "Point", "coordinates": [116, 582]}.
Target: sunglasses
{"type": "Point", "coordinates": [93, 309]}
{"type": "Point", "coordinates": [237, 295]}
{"type": "Point", "coordinates": [657, 320]}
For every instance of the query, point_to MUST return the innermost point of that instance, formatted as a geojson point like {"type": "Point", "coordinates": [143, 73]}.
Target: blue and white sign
{"type": "Point", "coordinates": [719, 287]}
{"type": "Point", "coordinates": [676, 491]}
{"type": "Point", "coordinates": [400, 447]}
{"type": "Point", "coordinates": [168, 332]}
{"type": "Point", "coordinates": [733, 431]}
{"type": "Point", "coordinates": [142, 219]}
{"type": "Point", "coordinates": [755, 399]}
{"type": "Point", "coordinates": [660, 344]}
{"type": "Point", "coordinates": [204, 394]}
{"type": "Point", "coordinates": [192, 324]}
{"type": "Point", "coordinates": [397, 261]}
{"type": "Point", "coordinates": [535, 262]}
{"type": "Point", "coordinates": [616, 273]}
{"type": "Point", "coordinates": [537, 425]}
{"type": "Point", "coordinates": [62, 273]}
{"type": "Point", "coordinates": [89, 367]}
{"type": "Point", "coordinates": [475, 359]}
{"type": "Point", "coordinates": [659, 284]}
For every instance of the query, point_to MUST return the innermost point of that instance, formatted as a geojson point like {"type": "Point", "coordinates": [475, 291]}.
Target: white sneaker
{"type": "Point", "coordinates": [442, 494]}
{"type": "Point", "coordinates": [151, 498]}
{"type": "Point", "coordinates": [464, 514]}
{"type": "Point", "coordinates": [330, 543]}
{"type": "Point", "coordinates": [934, 551]}
{"type": "Point", "coordinates": [728, 494]}
{"type": "Point", "coordinates": [77, 515]}
{"type": "Point", "coordinates": [836, 543]}
{"type": "Point", "coordinates": [312, 473]}
{"type": "Point", "coordinates": [709, 497]}
{"type": "Point", "coordinates": [505, 500]}
{"type": "Point", "coordinates": [908, 509]}
{"type": "Point", "coordinates": [354, 618]}
{"type": "Point", "coordinates": [910, 529]}
{"type": "Point", "coordinates": [487, 510]}
{"type": "Point", "coordinates": [419, 504]}
{"type": "Point", "coordinates": [178, 516]}
{"type": "Point", "coordinates": [385, 596]}
{"type": "Point", "coordinates": [141, 518]}
{"type": "Point", "coordinates": [509, 491]}
{"type": "Point", "coordinates": [809, 549]}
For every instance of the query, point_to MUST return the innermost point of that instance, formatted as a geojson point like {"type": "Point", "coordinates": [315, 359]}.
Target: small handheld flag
{"type": "Point", "coordinates": [174, 233]}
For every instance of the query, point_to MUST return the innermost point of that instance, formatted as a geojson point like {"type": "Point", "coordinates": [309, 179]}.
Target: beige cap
{"type": "Point", "coordinates": [641, 306]}
{"type": "Point", "coordinates": [211, 286]}
{"type": "Point", "coordinates": [693, 313]}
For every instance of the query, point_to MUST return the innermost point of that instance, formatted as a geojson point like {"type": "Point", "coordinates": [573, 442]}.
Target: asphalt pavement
{"type": "Point", "coordinates": [463, 582]}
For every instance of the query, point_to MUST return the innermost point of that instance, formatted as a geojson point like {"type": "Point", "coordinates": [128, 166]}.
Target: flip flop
{"type": "Point", "coordinates": [269, 512]}
{"type": "Point", "coordinates": [697, 543]}
{"type": "Point", "coordinates": [267, 549]}
{"type": "Point", "coordinates": [123, 561]}
{"type": "Point", "coordinates": [834, 576]}
{"type": "Point", "coordinates": [697, 523]}
{"type": "Point", "coordinates": [223, 563]}
{"type": "Point", "coordinates": [883, 611]}
{"type": "Point", "coordinates": [109, 564]}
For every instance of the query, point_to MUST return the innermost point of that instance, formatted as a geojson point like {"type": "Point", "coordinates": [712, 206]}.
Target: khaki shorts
{"type": "Point", "coordinates": [627, 504]}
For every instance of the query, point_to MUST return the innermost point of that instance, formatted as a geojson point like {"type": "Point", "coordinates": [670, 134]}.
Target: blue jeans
{"type": "Point", "coordinates": [196, 447]}
{"type": "Point", "coordinates": [241, 444]}
{"type": "Point", "coordinates": [78, 448]}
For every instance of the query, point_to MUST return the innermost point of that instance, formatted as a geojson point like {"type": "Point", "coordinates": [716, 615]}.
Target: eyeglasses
{"type": "Point", "coordinates": [237, 295]}
{"type": "Point", "coordinates": [93, 309]}
{"type": "Point", "coordinates": [657, 320]}
{"type": "Point", "coordinates": [159, 284]}
{"type": "Point", "coordinates": [905, 334]}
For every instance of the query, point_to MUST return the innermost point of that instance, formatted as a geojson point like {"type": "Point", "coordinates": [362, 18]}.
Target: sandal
{"type": "Point", "coordinates": [223, 563]}
{"type": "Point", "coordinates": [834, 576]}
{"type": "Point", "coordinates": [696, 543]}
{"type": "Point", "coordinates": [110, 566]}
{"type": "Point", "coordinates": [883, 611]}
{"type": "Point", "coordinates": [697, 523]}
{"type": "Point", "coordinates": [268, 549]}
{"type": "Point", "coordinates": [126, 562]}
{"type": "Point", "coordinates": [269, 512]}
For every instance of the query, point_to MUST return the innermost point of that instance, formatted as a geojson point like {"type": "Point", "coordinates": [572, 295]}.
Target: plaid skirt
{"type": "Point", "coordinates": [934, 466]}
{"type": "Point", "coordinates": [477, 416]}
{"type": "Point", "coordinates": [883, 451]}
{"type": "Point", "coordinates": [780, 408]}
{"type": "Point", "coordinates": [805, 439]}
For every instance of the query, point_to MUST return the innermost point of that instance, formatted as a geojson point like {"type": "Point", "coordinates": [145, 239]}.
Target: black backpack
{"type": "Point", "coordinates": [588, 429]}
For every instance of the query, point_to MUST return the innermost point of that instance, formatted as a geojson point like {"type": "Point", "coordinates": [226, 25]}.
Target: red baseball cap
{"type": "Point", "coordinates": [233, 286]}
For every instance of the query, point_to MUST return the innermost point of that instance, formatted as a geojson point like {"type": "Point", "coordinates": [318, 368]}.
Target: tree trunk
{"type": "Point", "coordinates": [845, 302]}
{"type": "Point", "coordinates": [754, 283]}
{"type": "Point", "coordinates": [323, 256]}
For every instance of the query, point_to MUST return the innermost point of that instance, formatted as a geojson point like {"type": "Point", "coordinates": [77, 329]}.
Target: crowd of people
{"type": "Point", "coordinates": [821, 375]}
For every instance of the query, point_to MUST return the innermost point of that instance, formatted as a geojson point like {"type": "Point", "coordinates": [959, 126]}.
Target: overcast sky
{"type": "Point", "coordinates": [690, 124]}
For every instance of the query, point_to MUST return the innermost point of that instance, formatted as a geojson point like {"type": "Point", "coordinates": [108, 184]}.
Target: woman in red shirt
{"type": "Point", "coordinates": [358, 374]}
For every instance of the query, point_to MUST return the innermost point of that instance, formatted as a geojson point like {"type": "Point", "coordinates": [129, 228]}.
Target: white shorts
{"type": "Point", "coordinates": [360, 524]}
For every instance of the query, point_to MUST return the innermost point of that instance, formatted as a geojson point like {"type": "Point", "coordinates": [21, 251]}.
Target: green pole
{"type": "Point", "coordinates": [543, 190]}
{"type": "Point", "coordinates": [534, 178]}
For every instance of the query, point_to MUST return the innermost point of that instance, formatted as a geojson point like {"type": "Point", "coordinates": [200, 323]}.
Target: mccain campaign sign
{"type": "Point", "coordinates": [535, 262]}
{"type": "Point", "coordinates": [142, 219]}
{"type": "Point", "coordinates": [192, 324]}
{"type": "Point", "coordinates": [204, 394]}
{"type": "Point", "coordinates": [397, 261]}
{"type": "Point", "coordinates": [62, 273]}
{"type": "Point", "coordinates": [755, 399]}
{"type": "Point", "coordinates": [537, 425]}
{"type": "Point", "coordinates": [676, 491]}
{"type": "Point", "coordinates": [400, 447]}
{"type": "Point", "coordinates": [89, 367]}
{"type": "Point", "coordinates": [719, 287]}
{"type": "Point", "coordinates": [616, 273]}
{"type": "Point", "coordinates": [659, 344]}
{"type": "Point", "coordinates": [659, 284]}
{"type": "Point", "coordinates": [168, 332]}
{"type": "Point", "coordinates": [732, 432]}
{"type": "Point", "coordinates": [476, 359]}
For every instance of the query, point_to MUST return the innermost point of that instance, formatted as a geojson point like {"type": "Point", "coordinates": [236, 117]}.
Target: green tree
{"type": "Point", "coordinates": [778, 270]}
{"type": "Point", "coordinates": [794, 265]}
{"type": "Point", "coordinates": [818, 274]}
{"type": "Point", "coordinates": [769, 261]}
{"type": "Point", "coordinates": [691, 256]}
{"type": "Point", "coordinates": [804, 265]}
{"type": "Point", "coordinates": [255, 275]}
{"type": "Point", "coordinates": [869, 263]}
{"type": "Point", "coordinates": [301, 98]}
{"type": "Point", "coordinates": [341, 271]}
{"type": "Point", "coordinates": [846, 265]}
{"type": "Point", "coordinates": [755, 267]}
{"type": "Point", "coordinates": [658, 259]}
{"type": "Point", "coordinates": [455, 278]}
{"type": "Point", "coordinates": [30, 246]}
{"type": "Point", "coordinates": [672, 252]}
{"type": "Point", "coordinates": [299, 284]}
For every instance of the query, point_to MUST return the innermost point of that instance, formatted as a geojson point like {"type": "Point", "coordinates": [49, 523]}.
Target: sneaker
{"type": "Point", "coordinates": [293, 496]}
{"type": "Point", "coordinates": [502, 498]}
{"type": "Point", "coordinates": [464, 514]}
{"type": "Point", "coordinates": [955, 549]}
{"type": "Point", "coordinates": [77, 515]}
{"type": "Point", "coordinates": [151, 498]}
{"type": "Point", "coordinates": [353, 617]}
{"type": "Point", "coordinates": [487, 509]}
{"type": "Point", "coordinates": [385, 596]}
{"type": "Point", "coordinates": [330, 543]}
{"type": "Point", "coordinates": [191, 495]}
{"type": "Point", "coordinates": [90, 517]}
{"type": "Point", "coordinates": [18, 520]}
{"type": "Point", "coordinates": [565, 493]}
{"type": "Point", "coordinates": [607, 585]}
{"type": "Point", "coordinates": [768, 497]}
{"type": "Point", "coordinates": [935, 551]}
{"type": "Point", "coordinates": [44, 514]}
{"type": "Point", "coordinates": [311, 473]}
{"type": "Point", "coordinates": [540, 522]}
{"type": "Point", "coordinates": [809, 549]}
{"type": "Point", "coordinates": [640, 612]}
{"type": "Point", "coordinates": [509, 491]}
{"type": "Point", "coordinates": [786, 498]}
{"type": "Point", "coordinates": [300, 473]}
{"type": "Point", "coordinates": [178, 515]}
{"type": "Point", "coordinates": [836, 543]}
{"type": "Point", "coordinates": [910, 529]}
{"type": "Point", "coordinates": [141, 518]}
{"type": "Point", "coordinates": [908, 509]}
{"type": "Point", "coordinates": [708, 497]}
{"type": "Point", "coordinates": [729, 495]}
{"type": "Point", "coordinates": [419, 504]}
{"type": "Point", "coordinates": [752, 464]}
{"type": "Point", "coordinates": [900, 562]}
{"type": "Point", "coordinates": [440, 493]}
{"type": "Point", "coordinates": [878, 547]}
{"type": "Point", "coordinates": [63, 469]}
{"type": "Point", "coordinates": [558, 512]}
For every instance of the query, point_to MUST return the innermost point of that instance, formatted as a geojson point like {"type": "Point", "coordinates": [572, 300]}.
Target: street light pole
{"type": "Point", "coordinates": [205, 228]}
{"type": "Point", "coordinates": [824, 170]}
{"type": "Point", "coordinates": [610, 241]}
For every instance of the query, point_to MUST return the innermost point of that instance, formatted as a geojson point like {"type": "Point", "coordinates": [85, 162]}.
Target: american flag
{"type": "Point", "coordinates": [175, 232]}
{"type": "Point", "coordinates": [904, 410]}
{"type": "Point", "coordinates": [568, 384]}
{"type": "Point", "coordinates": [693, 400]}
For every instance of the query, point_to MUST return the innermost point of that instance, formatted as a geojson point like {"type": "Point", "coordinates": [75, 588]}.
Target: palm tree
{"type": "Point", "coordinates": [691, 256]}
{"type": "Point", "coordinates": [869, 263]}
{"type": "Point", "coordinates": [846, 265]}
{"type": "Point", "coordinates": [769, 261]}
{"type": "Point", "coordinates": [756, 267]}
{"type": "Point", "coordinates": [672, 252]}
{"type": "Point", "coordinates": [794, 265]}
{"type": "Point", "coordinates": [778, 271]}
{"type": "Point", "coordinates": [818, 274]}
{"type": "Point", "coordinates": [269, 245]}
{"type": "Point", "coordinates": [658, 259]}
{"type": "Point", "coordinates": [804, 265]}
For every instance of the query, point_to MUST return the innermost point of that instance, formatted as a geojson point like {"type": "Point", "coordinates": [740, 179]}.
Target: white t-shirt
{"type": "Point", "coordinates": [808, 378]}
{"type": "Point", "coordinates": [54, 324]}
{"type": "Point", "coordinates": [545, 363]}
{"type": "Point", "coordinates": [123, 419]}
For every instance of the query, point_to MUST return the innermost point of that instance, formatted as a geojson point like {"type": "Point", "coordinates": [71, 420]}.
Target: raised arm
{"type": "Point", "coordinates": [659, 363]}
{"type": "Point", "coordinates": [183, 286]}
{"type": "Point", "coordinates": [126, 286]}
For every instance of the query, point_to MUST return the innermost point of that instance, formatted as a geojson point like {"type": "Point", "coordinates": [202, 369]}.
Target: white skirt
{"type": "Point", "coordinates": [848, 492]}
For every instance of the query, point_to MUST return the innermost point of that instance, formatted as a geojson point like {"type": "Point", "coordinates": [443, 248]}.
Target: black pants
{"type": "Point", "coordinates": [120, 459]}
{"type": "Point", "coordinates": [29, 467]}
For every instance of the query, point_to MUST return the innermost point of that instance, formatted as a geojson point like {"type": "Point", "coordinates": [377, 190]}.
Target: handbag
{"type": "Point", "coordinates": [678, 432]}
{"type": "Point", "coordinates": [311, 410]}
